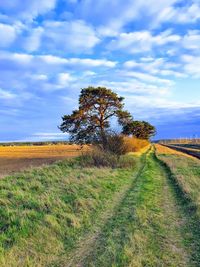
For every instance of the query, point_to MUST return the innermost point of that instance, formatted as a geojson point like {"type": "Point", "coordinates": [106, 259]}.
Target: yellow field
{"type": "Point", "coordinates": [46, 151]}
{"type": "Point", "coordinates": [17, 158]}
{"type": "Point", "coordinates": [165, 150]}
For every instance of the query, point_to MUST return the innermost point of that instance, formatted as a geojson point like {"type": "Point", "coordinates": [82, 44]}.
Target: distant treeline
{"type": "Point", "coordinates": [179, 141]}
{"type": "Point", "coordinates": [36, 143]}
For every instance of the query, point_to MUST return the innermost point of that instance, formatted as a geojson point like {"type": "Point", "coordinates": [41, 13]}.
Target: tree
{"type": "Point", "coordinates": [91, 121]}
{"type": "Point", "coordinates": [139, 129]}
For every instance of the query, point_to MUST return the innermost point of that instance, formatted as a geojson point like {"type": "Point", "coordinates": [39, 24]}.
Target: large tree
{"type": "Point", "coordinates": [139, 129]}
{"type": "Point", "coordinates": [91, 121]}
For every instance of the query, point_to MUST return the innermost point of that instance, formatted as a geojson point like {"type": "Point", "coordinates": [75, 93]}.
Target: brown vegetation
{"type": "Point", "coordinates": [134, 145]}
{"type": "Point", "coordinates": [17, 158]}
{"type": "Point", "coordinates": [46, 151]}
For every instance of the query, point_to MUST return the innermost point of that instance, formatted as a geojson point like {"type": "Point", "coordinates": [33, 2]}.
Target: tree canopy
{"type": "Point", "coordinates": [90, 122]}
{"type": "Point", "coordinates": [139, 129]}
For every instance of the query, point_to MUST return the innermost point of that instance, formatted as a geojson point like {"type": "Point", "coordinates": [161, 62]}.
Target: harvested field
{"type": "Point", "coordinates": [190, 151]}
{"type": "Point", "coordinates": [17, 158]}
{"type": "Point", "coordinates": [169, 151]}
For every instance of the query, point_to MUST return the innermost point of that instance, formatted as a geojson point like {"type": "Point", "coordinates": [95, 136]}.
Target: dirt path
{"type": "Point", "coordinates": [87, 244]}
{"type": "Point", "coordinates": [144, 226]}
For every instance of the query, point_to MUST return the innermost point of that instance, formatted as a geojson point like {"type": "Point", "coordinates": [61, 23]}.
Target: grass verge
{"type": "Point", "coordinates": [45, 211]}
{"type": "Point", "coordinates": [144, 230]}
{"type": "Point", "coordinates": [184, 173]}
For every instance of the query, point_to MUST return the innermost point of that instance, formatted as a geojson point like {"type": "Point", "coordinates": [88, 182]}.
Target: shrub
{"type": "Point", "coordinates": [101, 158]}
{"type": "Point", "coordinates": [133, 144]}
{"type": "Point", "coordinates": [116, 144]}
{"type": "Point", "coordinates": [113, 154]}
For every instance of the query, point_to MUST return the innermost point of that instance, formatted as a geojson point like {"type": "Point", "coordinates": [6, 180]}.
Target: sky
{"type": "Point", "coordinates": [146, 51]}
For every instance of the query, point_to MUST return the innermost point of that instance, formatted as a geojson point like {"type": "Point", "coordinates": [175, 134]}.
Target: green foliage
{"type": "Point", "coordinates": [139, 129]}
{"type": "Point", "coordinates": [90, 122]}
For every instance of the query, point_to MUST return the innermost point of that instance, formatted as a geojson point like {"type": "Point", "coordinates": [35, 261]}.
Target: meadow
{"type": "Point", "coordinates": [66, 214]}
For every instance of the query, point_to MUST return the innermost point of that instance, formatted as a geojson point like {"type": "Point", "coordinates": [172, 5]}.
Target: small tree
{"type": "Point", "coordinates": [139, 129]}
{"type": "Point", "coordinates": [91, 121]}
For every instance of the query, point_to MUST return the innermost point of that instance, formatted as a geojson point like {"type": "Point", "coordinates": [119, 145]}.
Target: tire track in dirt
{"type": "Point", "coordinates": [87, 244]}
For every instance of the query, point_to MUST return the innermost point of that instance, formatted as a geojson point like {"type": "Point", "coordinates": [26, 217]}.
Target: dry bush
{"type": "Point", "coordinates": [133, 144]}
{"type": "Point", "coordinates": [114, 153]}
{"type": "Point", "coordinates": [116, 144]}
{"type": "Point", "coordinates": [99, 157]}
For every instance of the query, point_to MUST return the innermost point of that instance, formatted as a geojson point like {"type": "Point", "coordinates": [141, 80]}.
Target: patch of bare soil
{"type": "Point", "coordinates": [12, 165]}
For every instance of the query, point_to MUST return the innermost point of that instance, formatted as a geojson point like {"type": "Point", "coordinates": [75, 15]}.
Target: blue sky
{"type": "Point", "coordinates": [146, 51]}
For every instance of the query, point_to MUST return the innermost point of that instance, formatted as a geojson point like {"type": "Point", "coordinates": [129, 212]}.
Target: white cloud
{"type": "Point", "coordinates": [148, 78]}
{"type": "Point", "coordinates": [38, 60]}
{"type": "Point", "coordinates": [64, 79]}
{"type": "Point", "coordinates": [33, 42]}
{"type": "Point", "coordinates": [39, 77]}
{"type": "Point", "coordinates": [28, 9]}
{"type": "Point", "coordinates": [156, 102]}
{"type": "Point", "coordinates": [7, 35]}
{"type": "Point", "coordinates": [92, 62]}
{"type": "Point", "coordinates": [50, 59]}
{"type": "Point", "coordinates": [6, 95]}
{"type": "Point", "coordinates": [192, 40]}
{"type": "Point", "coordinates": [159, 66]}
{"type": "Point", "coordinates": [87, 62]}
{"type": "Point", "coordinates": [143, 41]}
{"type": "Point", "coordinates": [115, 14]}
{"type": "Point", "coordinates": [192, 65]}
{"type": "Point", "coordinates": [172, 73]}
{"type": "Point", "coordinates": [69, 36]}
{"type": "Point", "coordinates": [44, 137]}
{"type": "Point", "coordinates": [49, 134]}
{"type": "Point", "coordinates": [188, 13]}
{"type": "Point", "coordinates": [132, 86]}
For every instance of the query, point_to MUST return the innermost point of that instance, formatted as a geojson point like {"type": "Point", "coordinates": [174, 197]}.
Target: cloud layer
{"type": "Point", "coordinates": [147, 51]}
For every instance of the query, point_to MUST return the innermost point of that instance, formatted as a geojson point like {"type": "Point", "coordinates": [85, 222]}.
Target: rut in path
{"type": "Point", "coordinates": [86, 245]}
{"type": "Point", "coordinates": [145, 230]}
{"type": "Point", "coordinates": [149, 225]}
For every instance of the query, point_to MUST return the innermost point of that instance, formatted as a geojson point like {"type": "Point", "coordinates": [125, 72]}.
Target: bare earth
{"type": "Point", "coordinates": [11, 165]}
{"type": "Point", "coordinates": [17, 158]}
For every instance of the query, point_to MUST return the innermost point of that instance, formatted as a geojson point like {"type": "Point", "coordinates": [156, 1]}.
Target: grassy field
{"type": "Point", "coordinates": [65, 215]}
{"type": "Point", "coordinates": [45, 211]}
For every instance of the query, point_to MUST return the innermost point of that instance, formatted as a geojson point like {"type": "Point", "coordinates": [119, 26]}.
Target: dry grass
{"type": "Point", "coordinates": [134, 144]}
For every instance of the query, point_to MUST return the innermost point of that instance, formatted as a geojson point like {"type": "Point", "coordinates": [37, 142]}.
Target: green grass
{"type": "Point", "coordinates": [45, 211]}
{"type": "Point", "coordinates": [64, 215]}
{"type": "Point", "coordinates": [145, 229]}
{"type": "Point", "coordinates": [184, 174]}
